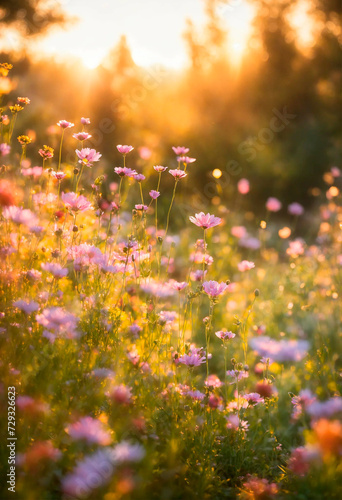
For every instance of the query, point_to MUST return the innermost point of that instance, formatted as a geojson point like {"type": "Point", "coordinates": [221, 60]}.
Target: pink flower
{"type": "Point", "coordinates": [237, 374]}
{"type": "Point", "coordinates": [87, 156]}
{"type": "Point", "coordinates": [245, 265]}
{"type": "Point", "coordinates": [197, 275]}
{"type": "Point", "coordinates": [4, 149]}
{"type": "Point", "coordinates": [120, 394]}
{"type": "Point", "coordinates": [205, 220]}
{"type": "Point", "coordinates": [177, 174]}
{"type": "Point", "coordinates": [273, 204]}
{"type": "Point", "coordinates": [233, 422]}
{"type": "Point", "coordinates": [243, 186]}
{"type": "Point", "coordinates": [295, 209]}
{"type": "Point", "coordinates": [186, 159]}
{"type": "Point", "coordinates": [335, 171]}
{"type": "Point", "coordinates": [225, 335]}
{"type": "Point", "coordinates": [59, 321]}
{"type": "Point", "coordinates": [253, 397]}
{"type": "Point", "coordinates": [82, 136]}
{"type": "Point", "coordinates": [154, 194]}
{"type": "Point", "coordinates": [295, 249]}
{"type": "Point", "coordinates": [145, 153]}
{"type": "Point", "coordinates": [76, 203]}
{"type": "Point", "coordinates": [180, 150]}
{"type": "Point", "coordinates": [65, 124]}
{"type": "Point", "coordinates": [302, 458]}
{"type": "Point", "coordinates": [239, 231]}
{"type": "Point", "coordinates": [34, 172]}
{"type": "Point", "coordinates": [20, 216]}
{"type": "Point", "coordinates": [127, 452]}
{"type": "Point", "coordinates": [85, 121]}
{"type": "Point", "coordinates": [141, 207]}
{"type": "Point", "coordinates": [26, 307]}
{"type": "Point", "coordinates": [160, 168]}
{"type": "Point", "coordinates": [125, 172]}
{"type": "Point", "coordinates": [213, 381]}
{"type": "Point", "coordinates": [55, 269]}
{"type": "Point", "coordinates": [59, 176]}
{"type": "Point", "coordinates": [124, 150]}
{"type": "Point", "coordinates": [90, 430]}
{"type": "Point", "coordinates": [214, 289]}
{"type": "Point", "coordinates": [178, 285]}
{"type": "Point", "coordinates": [139, 177]}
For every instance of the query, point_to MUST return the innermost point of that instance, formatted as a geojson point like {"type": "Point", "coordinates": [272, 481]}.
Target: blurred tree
{"type": "Point", "coordinates": [31, 17]}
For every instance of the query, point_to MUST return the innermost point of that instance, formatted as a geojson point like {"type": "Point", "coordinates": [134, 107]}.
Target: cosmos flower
{"type": "Point", "coordinates": [87, 156]}
{"type": "Point", "coordinates": [46, 152]}
{"type": "Point", "coordinates": [178, 285]}
{"type": "Point", "coordinates": [124, 150]}
{"type": "Point", "coordinates": [160, 168]}
{"type": "Point", "coordinates": [59, 321]}
{"type": "Point", "coordinates": [253, 397]}
{"type": "Point", "coordinates": [214, 289]}
{"type": "Point", "coordinates": [59, 176]}
{"type": "Point", "coordinates": [65, 124]}
{"type": "Point", "coordinates": [192, 359]}
{"type": "Point", "coordinates": [81, 136]}
{"type": "Point", "coordinates": [205, 221]}
{"type": "Point", "coordinates": [141, 207]}
{"type": "Point", "coordinates": [139, 177]}
{"type": "Point", "coordinates": [76, 203]}
{"type": "Point", "coordinates": [85, 121]}
{"type": "Point", "coordinates": [154, 194]}
{"type": "Point", "coordinates": [213, 381]}
{"type": "Point", "coordinates": [177, 174]}
{"type": "Point", "coordinates": [125, 172]}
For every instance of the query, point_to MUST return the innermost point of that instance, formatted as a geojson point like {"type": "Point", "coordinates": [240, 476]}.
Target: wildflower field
{"type": "Point", "coordinates": [148, 353]}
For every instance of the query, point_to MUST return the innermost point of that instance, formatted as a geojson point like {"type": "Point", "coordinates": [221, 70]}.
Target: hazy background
{"type": "Point", "coordinates": [216, 76]}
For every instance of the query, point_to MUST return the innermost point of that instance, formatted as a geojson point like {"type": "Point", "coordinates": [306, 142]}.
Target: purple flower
{"type": "Point", "coordinates": [154, 194]}
{"type": "Point", "coordinates": [125, 172]}
{"type": "Point", "coordinates": [180, 150]}
{"type": "Point", "coordinates": [76, 203]}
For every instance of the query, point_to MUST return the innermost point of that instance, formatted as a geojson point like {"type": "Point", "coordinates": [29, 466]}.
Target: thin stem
{"type": "Point", "coordinates": [168, 214]}
{"type": "Point", "coordinates": [60, 150]}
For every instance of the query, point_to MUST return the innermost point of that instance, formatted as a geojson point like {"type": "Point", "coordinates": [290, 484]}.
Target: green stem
{"type": "Point", "coordinates": [168, 214]}
{"type": "Point", "coordinates": [60, 151]}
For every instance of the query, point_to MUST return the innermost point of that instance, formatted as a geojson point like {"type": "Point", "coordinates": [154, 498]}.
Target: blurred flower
{"type": "Point", "coordinates": [335, 171]}
{"type": "Point", "coordinates": [90, 430]}
{"type": "Point", "coordinates": [328, 436]}
{"type": "Point", "coordinates": [59, 176]}
{"type": "Point", "coordinates": [284, 233]}
{"type": "Point", "coordinates": [141, 207]}
{"type": "Point", "coordinates": [225, 335]}
{"type": "Point", "coordinates": [178, 285]}
{"type": "Point", "coordinates": [7, 193]}
{"type": "Point", "coordinates": [20, 216]}
{"type": "Point", "coordinates": [260, 489]}
{"type": "Point", "coordinates": [180, 150]}
{"type": "Point", "coordinates": [34, 172]}
{"type": "Point", "coordinates": [280, 350]}
{"type": "Point", "coordinates": [4, 149]}
{"type": "Point", "coordinates": [185, 159]}
{"type": "Point", "coordinates": [37, 455]}
{"type": "Point", "coordinates": [253, 397]}
{"type": "Point", "coordinates": [192, 359]}
{"type": "Point", "coordinates": [145, 153]}
{"type": "Point", "coordinates": [295, 209]}
{"type": "Point", "coordinates": [239, 231]}
{"type": "Point", "coordinates": [302, 458]}
{"type": "Point", "coordinates": [213, 381]}
{"type": "Point", "coordinates": [295, 249]}
{"type": "Point", "coordinates": [55, 269]}
{"type": "Point", "coordinates": [120, 394]}
{"type": "Point", "coordinates": [85, 121]}
{"type": "Point", "coordinates": [139, 177]}
{"type": "Point", "coordinates": [26, 307]}
{"type": "Point", "coordinates": [273, 204]}
{"type": "Point", "coordinates": [245, 265]}
{"type": "Point", "coordinates": [243, 186]}
{"type": "Point", "coordinates": [24, 140]}
{"type": "Point", "coordinates": [205, 221]}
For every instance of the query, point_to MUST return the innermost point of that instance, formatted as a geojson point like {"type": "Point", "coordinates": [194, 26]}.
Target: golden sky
{"type": "Point", "coordinates": [153, 28]}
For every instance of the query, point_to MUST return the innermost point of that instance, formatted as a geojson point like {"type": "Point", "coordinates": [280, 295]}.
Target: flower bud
{"type": "Point", "coordinates": [257, 292]}
{"type": "Point", "coordinates": [75, 229]}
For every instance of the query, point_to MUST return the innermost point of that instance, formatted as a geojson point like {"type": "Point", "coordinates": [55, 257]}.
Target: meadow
{"type": "Point", "coordinates": [155, 354]}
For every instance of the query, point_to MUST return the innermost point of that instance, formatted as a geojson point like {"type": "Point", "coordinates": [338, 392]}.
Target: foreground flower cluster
{"type": "Point", "coordinates": [149, 364]}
